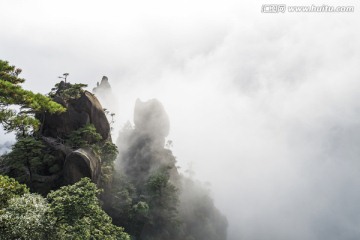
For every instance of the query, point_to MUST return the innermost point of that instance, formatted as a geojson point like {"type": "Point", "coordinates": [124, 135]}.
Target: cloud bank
{"type": "Point", "coordinates": [262, 107]}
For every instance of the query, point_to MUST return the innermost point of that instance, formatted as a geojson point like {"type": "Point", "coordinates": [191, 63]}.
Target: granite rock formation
{"type": "Point", "coordinates": [84, 110]}
{"type": "Point", "coordinates": [152, 121]}
{"type": "Point", "coordinates": [103, 92]}
{"type": "Point", "coordinates": [141, 150]}
{"type": "Point", "coordinates": [81, 162]}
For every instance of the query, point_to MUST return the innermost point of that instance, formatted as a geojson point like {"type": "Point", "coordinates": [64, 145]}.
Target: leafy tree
{"type": "Point", "coordinates": [72, 212]}
{"type": "Point", "coordinates": [10, 188]}
{"type": "Point", "coordinates": [108, 152]}
{"type": "Point", "coordinates": [85, 136]}
{"type": "Point", "coordinates": [148, 214]}
{"type": "Point", "coordinates": [26, 218]}
{"type": "Point", "coordinates": [77, 212]}
{"type": "Point", "coordinates": [118, 201]}
{"type": "Point", "coordinates": [12, 94]}
{"type": "Point", "coordinates": [163, 201]}
{"type": "Point", "coordinates": [32, 162]}
{"type": "Point", "coordinates": [25, 159]}
{"type": "Point", "coordinates": [10, 73]}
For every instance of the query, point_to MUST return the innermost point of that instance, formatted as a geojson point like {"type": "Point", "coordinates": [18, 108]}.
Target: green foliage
{"type": "Point", "coordinates": [24, 159]}
{"type": "Point", "coordinates": [72, 212]}
{"type": "Point", "coordinates": [119, 199]}
{"type": "Point", "coordinates": [106, 175]}
{"type": "Point", "coordinates": [83, 137]}
{"type": "Point", "coordinates": [163, 202]}
{"type": "Point", "coordinates": [26, 217]}
{"type": "Point", "coordinates": [10, 188]}
{"type": "Point", "coordinates": [10, 73]}
{"type": "Point", "coordinates": [157, 183]}
{"type": "Point", "coordinates": [11, 93]}
{"type": "Point", "coordinates": [150, 213]}
{"type": "Point", "coordinates": [73, 202]}
{"type": "Point", "coordinates": [88, 137]}
{"type": "Point", "coordinates": [109, 152]}
{"type": "Point", "coordinates": [22, 124]}
{"type": "Point", "coordinates": [77, 212]}
{"type": "Point", "coordinates": [141, 208]}
{"type": "Point", "coordinates": [67, 91]}
{"type": "Point", "coordinates": [22, 215]}
{"type": "Point", "coordinates": [29, 160]}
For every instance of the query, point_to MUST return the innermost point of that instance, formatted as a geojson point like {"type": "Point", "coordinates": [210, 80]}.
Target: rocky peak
{"type": "Point", "coordinates": [103, 86]}
{"type": "Point", "coordinates": [103, 92]}
{"type": "Point", "coordinates": [141, 150]}
{"type": "Point", "coordinates": [80, 111]}
{"type": "Point", "coordinates": [151, 120]}
{"type": "Point", "coordinates": [84, 110]}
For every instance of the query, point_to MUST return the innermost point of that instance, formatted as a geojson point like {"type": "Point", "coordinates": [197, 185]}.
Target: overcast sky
{"type": "Point", "coordinates": [263, 107]}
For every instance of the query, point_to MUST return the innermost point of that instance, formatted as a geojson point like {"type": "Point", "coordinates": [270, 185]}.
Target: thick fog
{"type": "Point", "coordinates": [264, 108]}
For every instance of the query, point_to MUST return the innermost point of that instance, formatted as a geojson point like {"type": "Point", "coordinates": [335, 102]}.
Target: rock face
{"type": "Point", "coordinates": [80, 111]}
{"type": "Point", "coordinates": [104, 93]}
{"type": "Point", "coordinates": [84, 110]}
{"type": "Point", "coordinates": [151, 119]}
{"type": "Point", "coordinates": [141, 150]}
{"type": "Point", "coordinates": [81, 163]}
{"type": "Point", "coordinates": [103, 86]}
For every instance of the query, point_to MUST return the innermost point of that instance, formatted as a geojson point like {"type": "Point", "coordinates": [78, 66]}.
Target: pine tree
{"type": "Point", "coordinates": [12, 94]}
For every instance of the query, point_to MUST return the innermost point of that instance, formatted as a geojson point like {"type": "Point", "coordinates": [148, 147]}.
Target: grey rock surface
{"type": "Point", "coordinates": [84, 110]}
{"type": "Point", "coordinates": [81, 163]}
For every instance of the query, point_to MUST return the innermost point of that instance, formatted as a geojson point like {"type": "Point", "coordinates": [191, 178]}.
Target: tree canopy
{"type": "Point", "coordinates": [10, 188]}
{"type": "Point", "coordinates": [12, 94]}
{"type": "Point", "coordinates": [77, 211]}
{"type": "Point", "coordinates": [71, 212]}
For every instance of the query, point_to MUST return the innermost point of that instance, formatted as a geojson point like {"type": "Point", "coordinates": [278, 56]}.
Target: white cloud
{"type": "Point", "coordinates": [264, 106]}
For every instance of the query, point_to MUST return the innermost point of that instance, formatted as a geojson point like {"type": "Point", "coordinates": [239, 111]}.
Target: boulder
{"type": "Point", "coordinates": [81, 163]}
{"type": "Point", "coordinates": [80, 111]}
{"type": "Point", "coordinates": [84, 110]}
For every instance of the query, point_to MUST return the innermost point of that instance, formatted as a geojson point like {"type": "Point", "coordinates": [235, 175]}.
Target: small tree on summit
{"type": "Point", "coordinates": [67, 91]}
{"type": "Point", "coordinates": [64, 76]}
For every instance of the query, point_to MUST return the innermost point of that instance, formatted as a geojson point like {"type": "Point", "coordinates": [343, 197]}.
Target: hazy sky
{"type": "Point", "coordinates": [264, 107]}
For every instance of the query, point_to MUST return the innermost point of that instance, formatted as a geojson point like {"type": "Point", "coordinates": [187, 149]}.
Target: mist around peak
{"type": "Point", "coordinates": [149, 197]}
